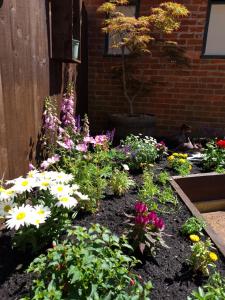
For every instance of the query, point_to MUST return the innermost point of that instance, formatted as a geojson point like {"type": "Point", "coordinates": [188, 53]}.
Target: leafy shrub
{"type": "Point", "coordinates": [120, 182]}
{"type": "Point", "coordinates": [91, 178]}
{"type": "Point", "coordinates": [201, 257]}
{"type": "Point", "coordinates": [214, 289]}
{"type": "Point", "coordinates": [148, 190]}
{"type": "Point", "coordinates": [179, 163]}
{"type": "Point", "coordinates": [140, 150]}
{"type": "Point", "coordinates": [163, 177]}
{"type": "Point", "coordinates": [193, 225]}
{"type": "Point", "coordinates": [146, 230]}
{"type": "Point", "coordinates": [167, 196]}
{"type": "Point", "coordinates": [90, 265]}
{"type": "Point", "coordinates": [214, 156]}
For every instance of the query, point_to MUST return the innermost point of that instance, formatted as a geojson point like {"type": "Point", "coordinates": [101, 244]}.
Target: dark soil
{"type": "Point", "coordinates": [168, 270]}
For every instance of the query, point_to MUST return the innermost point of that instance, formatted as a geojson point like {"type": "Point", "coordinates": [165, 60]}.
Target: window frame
{"type": "Point", "coordinates": [106, 38]}
{"type": "Point", "coordinates": [203, 55]}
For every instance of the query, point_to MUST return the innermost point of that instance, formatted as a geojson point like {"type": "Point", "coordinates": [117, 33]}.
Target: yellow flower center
{"type": "Point", "coordinates": [40, 212]}
{"type": "Point", "coordinates": [37, 221]}
{"type": "Point", "coordinates": [20, 216]}
{"type": "Point", "coordinates": [24, 183]}
{"type": "Point", "coordinates": [64, 199]}
{"type": "Point", "coordinates": [9, 192]}
{"type": "Point", "coordinates": [60, 189]}
{"type": "Point", "coordinates": [1, 189]}
{"type": "Point", "coordinates": [45, 183]}
{"type": "Point", "coordinates": [7, 208]}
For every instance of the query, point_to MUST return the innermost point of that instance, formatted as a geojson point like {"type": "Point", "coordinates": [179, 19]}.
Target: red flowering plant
{"type": "Point", "coordinates": [146, 230]}
{"type": "Point", "coordinates": [214, 156]}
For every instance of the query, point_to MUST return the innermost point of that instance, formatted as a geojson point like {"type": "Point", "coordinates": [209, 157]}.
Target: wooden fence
{"type": "Point", "coordinates": [27, 76]}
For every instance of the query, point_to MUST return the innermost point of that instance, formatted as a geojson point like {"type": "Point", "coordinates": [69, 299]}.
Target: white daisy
{"type": "Point", "coordinates": [39, 214]}
{"type": "Point", "coordinates": [5, 207]}
{"type": "Point", "coordinates": [81, 196]}
{"type": "Point", "coordinates": [23, 185]}
{"type": "Point", "coordinates": [75, 187]}
{"type": "Point", "coordinates": [59, 190]}
{"type": "Point", "coordinates": [42, 211]}
{"type": "Point", "coordinates": [32, 174]}
{"type": "Point", "coordinates": [66, 201]}
{"type": "Point", "coordinates": [19, 216]}
{"type": "Point", "coordinates": [44, 184]}
{"type": "Point", "coordinates": [62, 177]}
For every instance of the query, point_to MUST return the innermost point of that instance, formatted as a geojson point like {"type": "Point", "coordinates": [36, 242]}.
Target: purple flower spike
{"type": "Point", "coordinates": [141, 207]}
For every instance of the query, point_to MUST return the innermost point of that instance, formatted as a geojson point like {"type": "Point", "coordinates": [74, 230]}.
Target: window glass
{"type": "Point", "coordinates": [215, 40]}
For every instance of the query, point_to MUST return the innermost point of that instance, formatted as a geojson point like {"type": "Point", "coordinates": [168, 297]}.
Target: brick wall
{"type": "Point", "coordinates": [194, 95]}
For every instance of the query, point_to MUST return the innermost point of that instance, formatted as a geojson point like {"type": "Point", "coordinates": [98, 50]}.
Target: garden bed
{"type": "Point", "coordinates": [168, 270]}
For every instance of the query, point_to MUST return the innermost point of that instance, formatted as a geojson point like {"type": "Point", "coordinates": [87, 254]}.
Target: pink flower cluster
{"type": "Point", "coordinates": [64, 139]}
{"type": "Point", "coordinates": [51, 122]}
{"type": "Point", "coordinates": [144, 218]}
{"type": "Point", "coordinates": [67, 112]}
{"type": "Point", "coordinates": [50, 161]}
{"type": "Point", "coordinates": [98, 140]}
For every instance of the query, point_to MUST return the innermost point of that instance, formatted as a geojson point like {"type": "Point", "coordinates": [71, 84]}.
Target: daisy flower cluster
{"type": "Point", "coordinates": [51, 189]}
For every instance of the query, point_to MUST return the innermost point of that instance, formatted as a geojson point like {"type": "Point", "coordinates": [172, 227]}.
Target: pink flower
{"type": "Point", "coordinates": [141, 220]}
{"type": "Point", "coordinates": [31, 167]}
{"type": "Point", "coordinates": [100, 139]}
{"type": "Point", "coordinates": [151, 216]}
{"type": "Point", "coordinates": [44, 165]}
{"type": "Point", "coordinates": [140, 207]}
{"type": "Point", "coordinates": [159, 223]}
{"type": "Point", "coordinates": [89, 139]}
{"type": "Point", "coordinates": [82, 147]}
{"type": "Point", "coordinates": [50, 161]}
{"type": "Point", "coordinates": [67, 144]}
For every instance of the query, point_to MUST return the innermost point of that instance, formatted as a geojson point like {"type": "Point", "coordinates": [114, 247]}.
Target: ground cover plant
{"type": "Point", "coordinates": [214, 289]}
{"type": "Point", "coordinates": [89, 265]}
{"type": "Point", "coordinates": [193, 225]}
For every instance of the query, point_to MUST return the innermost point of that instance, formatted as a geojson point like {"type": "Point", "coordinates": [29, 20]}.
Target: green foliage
{"type": "Point", "coordinates": [148, 191]}
{"type": "Point", "coordinates": [214, 289]}
{"type": "Point", "coordinates": [120, 182]}
{"type": "Point", "coordinates": [163, 177]}
{"type": "Point", "coordinates": [193, 225]}
{"type": "Point", "coordinates": [141, 151]}
{"type": "Point", "coordinates": [136, 32]}
{"type": "Point", "coordinates": [200, 259]}
{"type": "Point", "coordinates": [91, 177]}
{"type": "Point", "coordinates": [91, 265]}
{"type": "Point", "coordinates": [214, 157]}
{"type": "Point", "coordinates": [167, 196]}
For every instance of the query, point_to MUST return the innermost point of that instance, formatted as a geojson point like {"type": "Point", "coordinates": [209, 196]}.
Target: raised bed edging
{"type": "Point", "coordinates": [215, 238]}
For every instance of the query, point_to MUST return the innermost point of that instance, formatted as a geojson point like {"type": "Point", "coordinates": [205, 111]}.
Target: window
{"type": "Point", "coordinates": [129, 11]}
{"type": "Point", "coordinates": [214, 44]}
